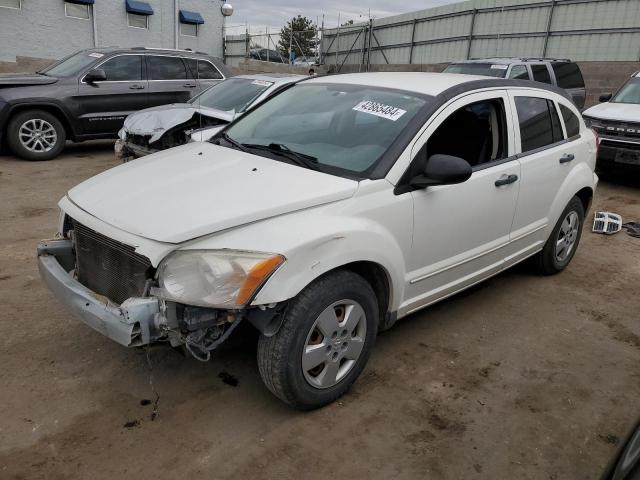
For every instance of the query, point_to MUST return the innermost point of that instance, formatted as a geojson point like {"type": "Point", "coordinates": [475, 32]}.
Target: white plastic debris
{"type": "Point", "coordinates": [607, 223]}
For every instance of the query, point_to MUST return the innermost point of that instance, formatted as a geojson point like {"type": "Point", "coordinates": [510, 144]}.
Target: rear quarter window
{"type": "Point", "coordinates": [571, 122]}
{"type": "Point", "coordinates": [541, 73]}
{"type": "Point", "coordinates": [568, 75]}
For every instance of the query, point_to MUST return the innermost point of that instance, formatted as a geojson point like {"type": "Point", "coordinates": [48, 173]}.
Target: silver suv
{"type": "Point", "coordinates": [555, 71]}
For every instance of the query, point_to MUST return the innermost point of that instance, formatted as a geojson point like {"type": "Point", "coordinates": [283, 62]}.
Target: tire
{"type": "Point", "coordinates": [549, 261]}
{"type": "Point", "coordinates": [343, 298]}
{"type": "Point", "coordinates": [50, 131]}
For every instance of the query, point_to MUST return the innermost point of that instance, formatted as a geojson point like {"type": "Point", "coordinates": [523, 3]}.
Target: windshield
{"type": "Point", "coordinates": [484, 69]}
{"type": "Point", "coordinates": [235, 94]}
{"type": "Point", "coordinates": [344, 129]}
{"type": "Point", "coordinates": [629, 93]}
{"type": "Point", "coordinates": [72, 65]}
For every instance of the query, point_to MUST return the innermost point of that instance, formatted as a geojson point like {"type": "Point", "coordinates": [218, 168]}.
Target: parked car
{"type": "Point", "coordinates": [87, 95]}
{"type": "Point", "coordinates": [324, 215]}
{"type": "Point", "coordinates": [266, 55]}
{"type": "Point", "coordinates": [617, 122]}
{"type": "Point", "coordinates": [158, 128]}
{"type": "Point", "coordinates": [560, 72]}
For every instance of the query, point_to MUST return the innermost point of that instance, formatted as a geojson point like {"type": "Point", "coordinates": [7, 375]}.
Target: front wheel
{"type": "Point", "coordinates": [324, 342]}
{"type": "Point", "coordinates": [36, 135]}
{"type": "Point", "coordinates": [563, 241]}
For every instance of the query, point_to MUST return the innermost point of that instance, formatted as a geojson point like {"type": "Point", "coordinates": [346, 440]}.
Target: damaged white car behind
{"type": "Point", "coordinates": [324, 215]}
{"type": "Point", "coordinates": [158, 128]}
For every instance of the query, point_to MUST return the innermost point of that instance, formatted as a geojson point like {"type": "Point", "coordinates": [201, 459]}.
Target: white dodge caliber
{"type": "Point", "coordinates": [324, 215]}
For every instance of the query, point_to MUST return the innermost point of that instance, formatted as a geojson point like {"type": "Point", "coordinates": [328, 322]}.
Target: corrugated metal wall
{"type": "Point", "coordinates": [583, 30]}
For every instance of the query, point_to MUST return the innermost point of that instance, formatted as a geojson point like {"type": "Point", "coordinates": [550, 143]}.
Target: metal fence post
{"type": "Point", "coordinates": [473, 21]}
{"type": "Point", "coordinates": [546, 36]}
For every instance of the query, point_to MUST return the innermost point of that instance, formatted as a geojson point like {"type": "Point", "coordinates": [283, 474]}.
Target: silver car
{"type": "Point", "coordinates": [158, 128]}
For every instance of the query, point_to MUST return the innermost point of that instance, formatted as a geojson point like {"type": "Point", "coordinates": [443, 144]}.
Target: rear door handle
{"type": "Point", "coordinates": [189, 85]}
{"type": "Point", "coordinates": [567, 158]}
{"type": "Point", "coordinates": [136, 87]}
{"type": "Point", "coordinates": [506, 180]}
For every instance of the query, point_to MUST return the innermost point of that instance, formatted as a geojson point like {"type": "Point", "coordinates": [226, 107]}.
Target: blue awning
{"type": "Point", "coordinates": [141, 8]}
{"type": "Point", "coordinates": [81, 2]}
{"type": "Point", "coordinates": [191, 17]}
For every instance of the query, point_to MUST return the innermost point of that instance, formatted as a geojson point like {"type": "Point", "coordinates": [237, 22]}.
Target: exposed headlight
{"type": "Point", "coordinates": [122, 134]}
{"type": "Point", "coordinates": [215, 278]}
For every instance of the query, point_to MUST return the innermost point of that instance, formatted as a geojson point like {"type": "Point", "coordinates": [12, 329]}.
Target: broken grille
{"type": "Point", "coordinates": [108, 267]}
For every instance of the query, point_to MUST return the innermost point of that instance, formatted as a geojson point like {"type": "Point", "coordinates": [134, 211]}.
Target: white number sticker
{"type": "Point", "coordinates": [262, 83]}
{"type": "Point", "coordinates": [499, 67]}
{"type": "Point", "coordinates": [380, 110]}
{"type": "Point", "coordinates": [96, 55]}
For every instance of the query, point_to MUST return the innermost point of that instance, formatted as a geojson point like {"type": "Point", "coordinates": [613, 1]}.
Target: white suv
{"type": "Point", "coordinates": [323, 216]}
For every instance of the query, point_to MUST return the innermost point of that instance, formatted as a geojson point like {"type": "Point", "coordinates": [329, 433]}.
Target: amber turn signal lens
{"type": "Point", "coordinates": [256, 277]}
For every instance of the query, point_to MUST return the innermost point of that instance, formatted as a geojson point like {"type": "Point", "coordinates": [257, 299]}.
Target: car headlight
{"type": "Point", "coordinates": [215, 278]}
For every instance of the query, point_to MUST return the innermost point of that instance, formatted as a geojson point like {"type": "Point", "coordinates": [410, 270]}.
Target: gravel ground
{"type": "Point", "coordinates": [521, 377]}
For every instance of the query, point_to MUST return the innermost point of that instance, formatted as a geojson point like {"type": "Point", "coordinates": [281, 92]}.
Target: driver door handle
{"type": "Point", "coordinates": [567, 158]}
{"type": "Point", "coordinates": [506, 180]}
{"type": "Point", "coordinates": [189, 85]}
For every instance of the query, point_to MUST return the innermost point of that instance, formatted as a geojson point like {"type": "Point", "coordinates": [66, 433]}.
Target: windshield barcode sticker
{"type": "Point", "coordinates": [262, 83]}
{"type": "Point", "coordinates": [380, 110]}
{"type": "Point", "coordinates": [96, 55]}
{"type": "Point", "coordinates": [499, 67]}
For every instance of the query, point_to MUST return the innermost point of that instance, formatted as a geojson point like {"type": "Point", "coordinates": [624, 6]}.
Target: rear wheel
{"type": "Point", "coordinates": [36, 135]}
{"type": "Point", "coordinates": [563, 241]}
{"type": "Point", "coordinates": [324, 341]}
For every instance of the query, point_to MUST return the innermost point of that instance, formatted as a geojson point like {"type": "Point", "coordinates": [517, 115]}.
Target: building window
{"type": "Point", "coordinates": [138, 21]}
{"type": "Point", "coordinates": [76, 10]}
{"type": "Point", "coordinates": [17, 4]}
{"type": "Point", "coordinates": [189, 29]}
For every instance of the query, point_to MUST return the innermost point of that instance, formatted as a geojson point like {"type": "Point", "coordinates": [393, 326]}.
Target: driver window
{"type": "Point", "coordinates": [475, 132]}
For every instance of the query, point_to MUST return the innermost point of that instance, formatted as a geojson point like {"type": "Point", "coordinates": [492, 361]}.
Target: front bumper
{"type": "Point", "coordinates": [132, 324]}
{"type": "Point", "coordinates": [126, 151]}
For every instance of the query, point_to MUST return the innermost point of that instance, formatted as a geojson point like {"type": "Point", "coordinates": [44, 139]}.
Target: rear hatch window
{"type": "Point", "coordinates": [568, 75]}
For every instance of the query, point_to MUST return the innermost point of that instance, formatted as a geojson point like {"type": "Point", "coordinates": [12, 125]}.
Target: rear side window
{"type": "Point", "coordinates": [539, 123]}
{"type": "Point", "coordinates": [519, 72]}
{"type": "Point", "coordinates": [166, 68]}
{"type": "Point", "coordinates": [568, 75]}
{"type": "Point", "coordinates": [571, 122]}
{"type": "Point", "coordinates": [123, 68]}
{"type": "Point", "coordinates": [203, 69]}
{"type": "Point", "coordinates": [541, 73]}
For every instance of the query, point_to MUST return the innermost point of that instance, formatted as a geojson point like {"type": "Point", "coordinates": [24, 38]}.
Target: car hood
{"type": "Point", "coordinates": [155, 121]}
{"type": "Point", "coordinates": [200, 188]}
{"type": "Point", "coordinates": [623, 112]}
{"type": "Point", "coordinates": [24, 79]}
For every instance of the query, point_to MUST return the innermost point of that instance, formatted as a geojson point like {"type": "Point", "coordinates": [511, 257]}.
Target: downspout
{"type": "Point", "coordinates": [94, 24]}
{"type": "Point", "coordinates": [176, 14]}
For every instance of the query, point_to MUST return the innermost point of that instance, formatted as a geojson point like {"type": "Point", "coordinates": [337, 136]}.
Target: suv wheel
{"type": "Point", "coordinates": [36, 135]}
{"type": "Point", "coordinates": [563, 241]}
{"type": "Point", "coordinates": [324, 341]}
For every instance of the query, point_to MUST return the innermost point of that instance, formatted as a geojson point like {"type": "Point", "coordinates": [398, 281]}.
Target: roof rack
{"type": "Point", "coordinates": [169, 50]}
{"type": "Point", "coordinates": [548, 59]}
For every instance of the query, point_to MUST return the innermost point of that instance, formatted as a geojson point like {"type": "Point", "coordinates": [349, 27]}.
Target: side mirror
{"type": "Point", "coordinates": [95, 75]}
{"type": "Point", "coordinates": [442, 170]}
{"type": "Point", "coordinates": [605, 97]}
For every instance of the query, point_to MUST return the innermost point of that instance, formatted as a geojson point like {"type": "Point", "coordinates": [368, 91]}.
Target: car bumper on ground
{"type": "Point", "coordinates": [130, 324]}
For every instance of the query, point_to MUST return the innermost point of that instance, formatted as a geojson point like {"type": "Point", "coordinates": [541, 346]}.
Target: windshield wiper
{"type": "Point", "coordinates": [300, 159]}
{"type": "Point", "coordinates": [233, 143]}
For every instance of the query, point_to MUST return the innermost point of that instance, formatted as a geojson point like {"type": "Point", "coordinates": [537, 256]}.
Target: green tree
{"type": "Point", "coordinates": [304, 34]}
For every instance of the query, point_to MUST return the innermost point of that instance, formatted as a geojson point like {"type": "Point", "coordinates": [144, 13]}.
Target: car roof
{"type": "Point", "coordinates": [432, 84]}
{"type": "Point", "coordinates": [510, 60]}
{"type": "Point", "coordinates": [164, 51]}
{"type": "Point", "coordinates": [276, 78]}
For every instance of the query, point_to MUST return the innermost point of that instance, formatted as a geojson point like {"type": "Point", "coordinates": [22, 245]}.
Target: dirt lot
{"type": "Point", "coordinates": [522, 377]}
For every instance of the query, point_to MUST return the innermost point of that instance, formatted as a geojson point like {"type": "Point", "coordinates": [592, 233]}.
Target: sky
{"type": "Point", "coordinates": [259, 14]}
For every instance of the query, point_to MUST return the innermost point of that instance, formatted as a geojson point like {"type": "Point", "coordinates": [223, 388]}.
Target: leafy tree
{"type": "Point", "coordinates": [304, 34]}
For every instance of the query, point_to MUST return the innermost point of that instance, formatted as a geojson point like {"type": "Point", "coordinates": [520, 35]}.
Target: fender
{"type": "Point", "coordinates": [347, 240]}
{"type": "Point", "coordinates": [33, 103]}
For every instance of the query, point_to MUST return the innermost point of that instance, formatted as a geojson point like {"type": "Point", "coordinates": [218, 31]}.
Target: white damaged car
{"type": "Point", "coordinates": [323, 216]}
{"type": "Point", "coordinates": [158, 128]}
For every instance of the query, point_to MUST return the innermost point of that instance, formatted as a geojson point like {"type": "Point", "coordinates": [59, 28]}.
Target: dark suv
{"type": "Point", "coordinates": [561, 72]}
{"type": "Point", "coordinates": [88, 95]}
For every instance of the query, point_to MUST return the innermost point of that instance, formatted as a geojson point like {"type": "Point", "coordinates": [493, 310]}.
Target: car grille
{"type": "Point", "coordinates": [108, 267]}
{"type": "Point", "coordinates": [618, 129]}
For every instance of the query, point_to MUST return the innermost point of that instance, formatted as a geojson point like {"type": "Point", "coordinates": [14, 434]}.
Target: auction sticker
{"type": "Point", "coordinates": [96, 55]}
{"type": "Point", "coordinates": [380, 110]}
{"type": "Point", "coordinates": [499, 67]}
{"type": "Point", "coordinates": [262, 83]}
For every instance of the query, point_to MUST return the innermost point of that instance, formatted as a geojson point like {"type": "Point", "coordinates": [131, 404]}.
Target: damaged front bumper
{"type": "Point", "coordinates": [126, 151]}
{"type": "Point", "coordinates": [132, 324]}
